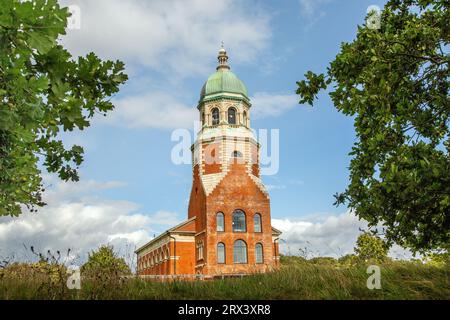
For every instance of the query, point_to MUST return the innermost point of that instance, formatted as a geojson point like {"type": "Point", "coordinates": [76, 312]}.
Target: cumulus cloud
{"type": "Point", "coordinates": [166, 218]}
{"type": "Point", "coordinates": [271, 105]}
{"type": "Point", "coordinates": [75, 219]}
{"type": "Point", "coordinates": [152, 110]}
{"type": "Point", "coordinates": [163, 111]}
{"type": "Point", "coordinates": [177, 36]}
{"type": "Point", "coordinates": [332, 236]}
{"type": "Point", "coordinates": [174, 39]}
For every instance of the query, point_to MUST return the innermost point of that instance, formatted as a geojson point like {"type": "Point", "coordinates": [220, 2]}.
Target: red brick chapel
{"type": "Point", "coordinates": [228, 230]}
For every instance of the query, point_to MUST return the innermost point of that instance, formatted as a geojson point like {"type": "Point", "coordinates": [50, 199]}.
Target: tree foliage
{"type": "Point", "coordinates": [105, 261]}
{"type": "Point", "coordinates": [394, 82]}
{"type": "Point", "coordinates": [371, 247]}
{"type": "Point", "coordinates": [44, 91]}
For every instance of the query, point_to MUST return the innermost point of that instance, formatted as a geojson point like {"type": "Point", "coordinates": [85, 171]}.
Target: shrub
{"type": "Point", "coordinates": [105, 260]}
{"type": "Point", "coordinates": [371, 247]}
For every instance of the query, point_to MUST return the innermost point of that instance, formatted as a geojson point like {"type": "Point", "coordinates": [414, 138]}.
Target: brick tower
{"type": "Point", "coordinates": [228, 198]}
{"type": "Point", "coordinates": [228, 230]}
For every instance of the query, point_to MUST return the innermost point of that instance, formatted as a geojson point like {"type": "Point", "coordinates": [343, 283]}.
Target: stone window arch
{"type": "Point", "coordinates": [244, 120]}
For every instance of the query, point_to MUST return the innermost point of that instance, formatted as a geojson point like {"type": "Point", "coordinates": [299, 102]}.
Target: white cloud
{"type": "Point", "coordinates": [152, 110]}
{"type": "Point", "coordinates": [76, 219]}
{"type": "Point", "coordinates": [163, 111]}
{"type": "Point", "coordinates": [176, 39]}
{"type": "Point", "coordinates": [168, 36]}
{"type": "Point", "coordinates": [165, 218]}
{"type": "Point", "coordinates": [271, 105]}
{"type": "Point", "coordinates": [333, 236]}
{"type": "Point", "coordinates": [311, 9]}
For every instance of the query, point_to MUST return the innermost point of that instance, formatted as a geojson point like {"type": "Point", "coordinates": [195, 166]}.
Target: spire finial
{"type": "Point", "coordinates": [223, 59]}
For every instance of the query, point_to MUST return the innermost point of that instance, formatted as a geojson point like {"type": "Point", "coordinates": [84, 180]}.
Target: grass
{"type": "Point", "coordinates": [296, 279]}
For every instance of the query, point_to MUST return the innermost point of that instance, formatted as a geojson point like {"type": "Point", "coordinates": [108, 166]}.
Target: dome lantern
{"type": "Point", "coordinates": [223, 81]}
{"type": "Point", "coordinates": [223, 59]}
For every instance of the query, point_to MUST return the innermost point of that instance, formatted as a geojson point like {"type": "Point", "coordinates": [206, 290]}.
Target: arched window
{"type": "Point", "coordinates": [220, 253]}
{"type": "Point", "coordinates": [259, 255]}
{"type": "Point", "coordinates": [215, 116]}
{"type": "Point", "coordinates": [203, 119]}
{"type": "Point", "coordinates": [240, 252]}
{"type": "Point", "coordinates": [236, 154]}
{"type": "Point", "coordinates": [239, 224]}
{"type": "Point", "coordinates": [245, 118]}
{"type": "Point", "coordinates": [220, 221]}
{"type": "Point", "coordinates": [232, 116]}
{"type": "Point", "coordinates": [257, 223]}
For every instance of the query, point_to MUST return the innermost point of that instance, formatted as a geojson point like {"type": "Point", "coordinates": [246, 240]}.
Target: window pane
{"type": "Point", "coordinates": [220, 253]}
{"type": "Point", "coordinates": [240, 252]}
{"type": "Point", "coordinates": [257, 222]}
{"type": "Point", "coordinates": [239, 221]}
{"type": "Point", "coordinates": [237, 154]}
{"type": "Point", "coordinates": [215, 117]}
{"type": "Point", "coordinates": [220, 222]}
{"type": "Point", "coordinates": [232, 116]}
{"type": "Point", "coordinates": [259, 253]}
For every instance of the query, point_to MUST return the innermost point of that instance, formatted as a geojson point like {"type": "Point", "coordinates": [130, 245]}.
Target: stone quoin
{"type": "Point", "coordinates": [228, 230]}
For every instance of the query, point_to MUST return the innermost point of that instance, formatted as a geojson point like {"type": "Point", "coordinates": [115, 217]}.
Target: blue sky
{"type": "Point", "coordinates": [314, 142]}
{"type": "Point", "coordinates": [130, 189]}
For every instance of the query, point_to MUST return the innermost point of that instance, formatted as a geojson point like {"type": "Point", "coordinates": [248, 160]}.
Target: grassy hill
{"type": "Point", "coordinates": [320, 278]}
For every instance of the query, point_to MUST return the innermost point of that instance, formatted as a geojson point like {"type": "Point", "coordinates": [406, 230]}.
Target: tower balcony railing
{"type": "Point", "coordinates": [224, 124]}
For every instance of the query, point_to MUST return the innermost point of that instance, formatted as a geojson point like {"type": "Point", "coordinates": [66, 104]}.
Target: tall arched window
{"type": "Point", "coordinates": [220, 253]}
{"type": "Point", "coordinates": [259, 255]}
{"type": "Point", "coordinates": [232, 116]}
{"type": "Point", "coordinates": [239, 224]}
{"type": "Point", "coordinates": [240, 252]}
{"type": "Point", "coordinates": [220, 221]}
{"type": "Point", "coordinates": [245, 118]}
{"type": "Point", "coordinates": [203, 119]}
{"type": "Point", "coordinates": [215, 116]}
{"type": "Point", "coordinates": [257, 223]}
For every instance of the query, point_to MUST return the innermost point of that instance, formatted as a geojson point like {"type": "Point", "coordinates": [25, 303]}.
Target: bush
{"type": "Point", "coordinates": [438, 259]}
{"type": "Point", "coordinates": [371, 247]}
{"type": "Point", "coordinates": [105, 261]}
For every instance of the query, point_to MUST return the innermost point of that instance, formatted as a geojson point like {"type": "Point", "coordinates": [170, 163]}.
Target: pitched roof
{"type": "Point", "coordinates": [275, 231]}
{"type": "Point", "coordinates": [175, 230]}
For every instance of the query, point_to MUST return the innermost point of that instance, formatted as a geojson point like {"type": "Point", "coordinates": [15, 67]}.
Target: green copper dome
{"type": "Point", "coordinates": [223, 81]}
